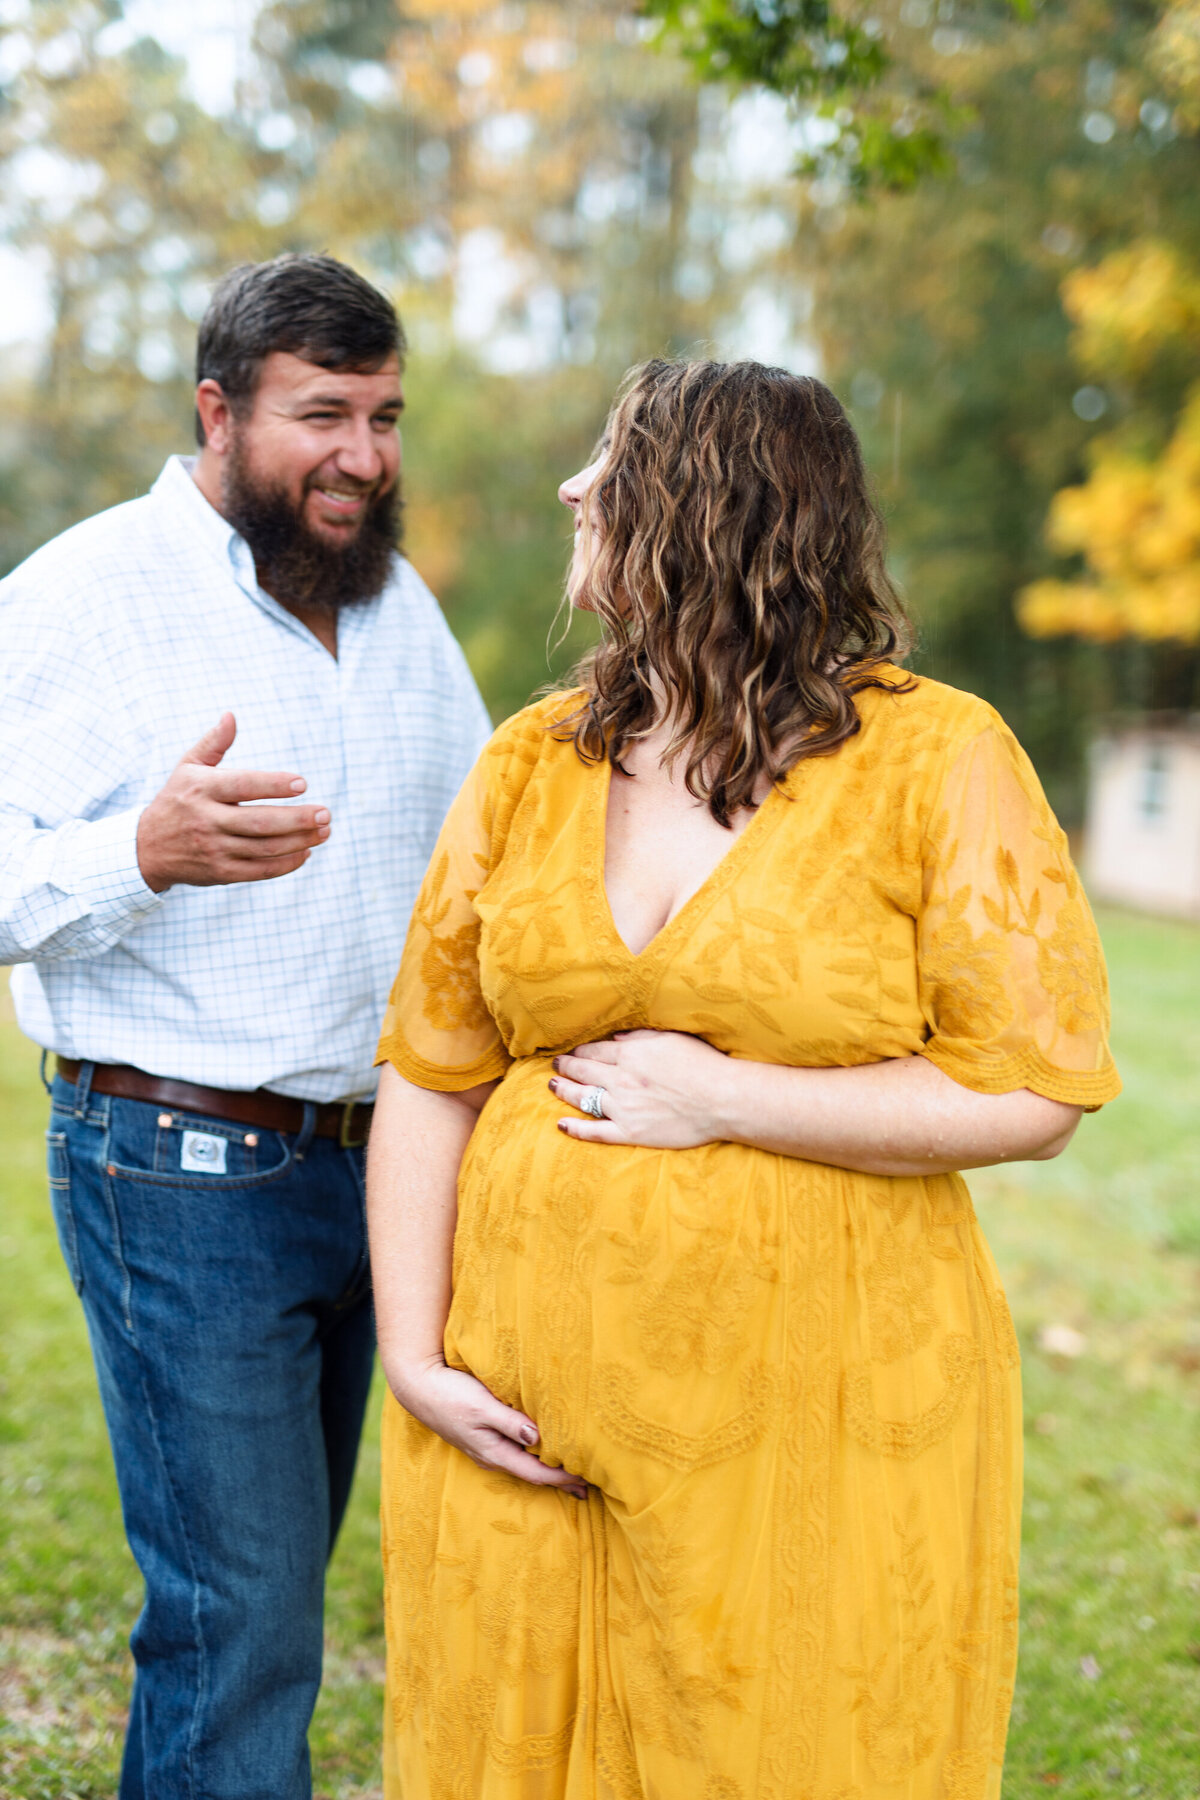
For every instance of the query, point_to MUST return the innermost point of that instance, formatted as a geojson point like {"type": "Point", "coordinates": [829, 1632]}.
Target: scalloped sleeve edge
{"type": "Point", "coordinates": [1027, 1069]}
{"type": "Point", "coordinates": [436, 1076]}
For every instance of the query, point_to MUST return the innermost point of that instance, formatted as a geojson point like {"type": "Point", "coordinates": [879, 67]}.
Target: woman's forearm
{"type": "Point", "coordinates": [903, 1117]}
{"type": "Point", "coordinates": [417, 1141]}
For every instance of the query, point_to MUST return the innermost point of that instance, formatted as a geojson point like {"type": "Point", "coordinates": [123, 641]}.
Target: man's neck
{"type": "Point", "coordinates": [206, 473]}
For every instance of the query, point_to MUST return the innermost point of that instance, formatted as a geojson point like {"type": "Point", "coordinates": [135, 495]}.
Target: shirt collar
{"type": "Point", "coordinates": [177, 488]}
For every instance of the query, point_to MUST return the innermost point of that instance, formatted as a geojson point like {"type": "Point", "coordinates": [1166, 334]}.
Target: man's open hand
{"type": "Point", "coordinates": [197, 829]}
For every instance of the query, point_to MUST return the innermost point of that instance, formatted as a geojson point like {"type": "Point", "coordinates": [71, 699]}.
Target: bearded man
{"type": "Point", "coordinates": [205, 944]}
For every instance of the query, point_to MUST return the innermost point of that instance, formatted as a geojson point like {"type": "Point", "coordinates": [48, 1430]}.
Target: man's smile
{"type": "Point", "coordinates": [347, 501]}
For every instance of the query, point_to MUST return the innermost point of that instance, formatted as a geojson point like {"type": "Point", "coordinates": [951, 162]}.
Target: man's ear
{"type": "Point", "coordinates": [215, 415]}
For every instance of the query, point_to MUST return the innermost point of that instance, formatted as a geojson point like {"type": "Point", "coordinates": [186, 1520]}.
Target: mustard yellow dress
{"type": "Point", "coordinates": [793, 1389]}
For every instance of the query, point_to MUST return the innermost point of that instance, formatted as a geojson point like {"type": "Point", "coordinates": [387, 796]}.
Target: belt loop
{"type": "Point", "coordinates": [346, 1137]}
{"type": "Point", "coordinates": [49, 1086]}
{"type": "Point", "coordinates": [83, 1088]}
{"type": "Point", "coordinates": [307, 1130]}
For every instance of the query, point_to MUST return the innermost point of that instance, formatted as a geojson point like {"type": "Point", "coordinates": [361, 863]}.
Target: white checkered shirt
{"type": "Point", "coordinates": [121, 643]}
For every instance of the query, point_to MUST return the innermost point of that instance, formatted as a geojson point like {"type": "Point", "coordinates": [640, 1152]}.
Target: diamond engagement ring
{"type": "Point", "coordinates": [591, 1101]}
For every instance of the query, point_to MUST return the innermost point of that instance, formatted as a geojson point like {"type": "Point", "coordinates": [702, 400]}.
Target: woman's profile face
{"type": "Point", "coordinates": [587, 543]}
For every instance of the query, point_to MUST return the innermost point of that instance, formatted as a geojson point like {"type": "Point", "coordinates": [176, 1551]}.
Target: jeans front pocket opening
{"type": "Point", "coordinates": [190, 1150]}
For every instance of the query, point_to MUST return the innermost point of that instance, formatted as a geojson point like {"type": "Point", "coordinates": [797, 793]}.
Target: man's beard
{"type": "Point", "coordinates": [295, 565]}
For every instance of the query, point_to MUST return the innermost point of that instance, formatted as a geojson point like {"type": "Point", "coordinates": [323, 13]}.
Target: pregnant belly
{"type": "Point", "coordinates": [630, 1300]}
{"type": "Point", "coordinates": [659, 1312]}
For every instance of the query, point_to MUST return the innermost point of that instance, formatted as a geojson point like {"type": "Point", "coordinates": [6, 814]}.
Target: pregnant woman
{"type": "Point", "coordinates": [702, 1456]}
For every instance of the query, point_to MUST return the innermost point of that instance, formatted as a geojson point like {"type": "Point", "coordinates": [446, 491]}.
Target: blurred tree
{"type": "Point", "coordinates": [1133, 527]}
{"type": "Point", "coordinates": [521, 177]}
{"type": "Point", "coordinates": [875, 121]}
{"type": "Point", "coordinates": [551, 201]}
{"type": "Point", "coordinates": [128, 197]}
{"type": "Point", "coordinates": [940, 318]}
{"type": "Point", "coordinates": [525, 175]}
{"type": "Point", "coordinates": [1135, 522]}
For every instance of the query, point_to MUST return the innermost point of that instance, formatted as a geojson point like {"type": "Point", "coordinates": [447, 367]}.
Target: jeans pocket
{"type": "Point", "coordinates": [58, 1167]}
{"type": "Point", "coordinates": [190, 1151]}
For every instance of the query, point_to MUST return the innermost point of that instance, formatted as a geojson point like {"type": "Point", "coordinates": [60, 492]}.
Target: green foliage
{"type": "Point", "coordinates": [1106, 1239]}
{"type": "Point", "coordinates": [796, 47]}
{"type": "Point", "coordinates": [887, 158]}
{"type": "Point", "coordinates": [886, 125]}
{"type": "Point", "coordinates": [486, 527]}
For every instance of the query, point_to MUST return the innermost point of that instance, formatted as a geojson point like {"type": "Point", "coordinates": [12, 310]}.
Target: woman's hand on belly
{"type": "Point", "coordinates": [663, 1090]}
{"type": "Point", "coordinates": [469, 1416]}
{"type": "Point", "coordinates": [660, 1088]}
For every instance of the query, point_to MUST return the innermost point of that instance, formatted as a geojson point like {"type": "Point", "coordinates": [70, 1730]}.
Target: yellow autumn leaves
{"type": "Point", "coordinates": [1136, 520]}
{"type": "Point", "coordinates": [1136, 523]}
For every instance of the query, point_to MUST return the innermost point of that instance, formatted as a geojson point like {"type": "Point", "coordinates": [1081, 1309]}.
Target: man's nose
{"type": "Point", "coordinates": [360, 455]}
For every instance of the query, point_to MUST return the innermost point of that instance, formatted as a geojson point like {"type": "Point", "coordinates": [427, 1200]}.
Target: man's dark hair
{"type": "Point", "coordinates": [310, 306]}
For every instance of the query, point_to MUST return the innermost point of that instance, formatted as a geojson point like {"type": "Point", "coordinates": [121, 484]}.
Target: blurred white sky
{"type": "Point", "coordinates": [214, 36]}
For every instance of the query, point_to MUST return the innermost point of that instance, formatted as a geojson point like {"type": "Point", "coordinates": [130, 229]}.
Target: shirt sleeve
{"type": "Point", "coordinates": [70, 884]}
{"type": "Point", "coordinates": [437, 1030]}
{"type": "Point", "coordinates": [1012, 977]}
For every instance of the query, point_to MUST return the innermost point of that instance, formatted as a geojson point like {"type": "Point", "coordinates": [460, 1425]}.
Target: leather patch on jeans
{"type": "Point", "coordinates": [201, 1154]}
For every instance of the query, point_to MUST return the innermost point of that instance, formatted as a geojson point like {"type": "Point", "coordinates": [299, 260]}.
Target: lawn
{"type": "Point", "coordinates": [1105, 1241]}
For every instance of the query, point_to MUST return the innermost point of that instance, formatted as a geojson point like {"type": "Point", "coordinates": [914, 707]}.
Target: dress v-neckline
{"type": "Point", "coordinates": [717, 879]}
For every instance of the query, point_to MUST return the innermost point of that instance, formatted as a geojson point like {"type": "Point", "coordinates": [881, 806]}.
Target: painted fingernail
{"type": "Point", "coordinates": [562, 1125]}
{"type": "Point", "coordinates": [553, 1086]}
{"type": "Point", "coordinates": [529, 1434]}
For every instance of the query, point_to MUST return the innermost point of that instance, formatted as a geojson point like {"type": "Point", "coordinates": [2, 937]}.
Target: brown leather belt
{"type": "Point", "coordinates": [348, 1121]}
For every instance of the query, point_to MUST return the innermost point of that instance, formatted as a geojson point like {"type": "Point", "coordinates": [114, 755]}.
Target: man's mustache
{"type": "Point", "coordinates": [346, 484]}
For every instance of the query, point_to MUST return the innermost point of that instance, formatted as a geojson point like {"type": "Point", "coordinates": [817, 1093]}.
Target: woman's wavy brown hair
{"type": "Point", "coordinates": [739, 577]}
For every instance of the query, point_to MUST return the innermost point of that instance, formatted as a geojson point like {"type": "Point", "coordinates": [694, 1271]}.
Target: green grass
{"type": "Point", "coordinates": [1106, 1239]}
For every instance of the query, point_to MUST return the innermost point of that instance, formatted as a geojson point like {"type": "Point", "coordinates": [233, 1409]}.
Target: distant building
{"type": "Point", "coordinates": [1142, 845]}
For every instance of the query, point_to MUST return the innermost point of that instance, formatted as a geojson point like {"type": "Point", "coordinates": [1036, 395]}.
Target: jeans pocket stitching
{"type": "Point", "coordinates": [58, 1174]}
{"type": "Point", "coordinates": [201, 1183]}
{"type": "Point", "coordinates": [133, 1129]}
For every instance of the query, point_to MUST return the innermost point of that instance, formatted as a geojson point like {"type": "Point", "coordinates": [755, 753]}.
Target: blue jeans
{"type": "Point", "coordinates": [226, 1291]}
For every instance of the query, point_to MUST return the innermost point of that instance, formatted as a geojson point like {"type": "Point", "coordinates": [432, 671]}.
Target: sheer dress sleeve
{"type": "Point", "coordinates": [1011, 973]}
{"type": "Point", "coordinates": [437, 1030]}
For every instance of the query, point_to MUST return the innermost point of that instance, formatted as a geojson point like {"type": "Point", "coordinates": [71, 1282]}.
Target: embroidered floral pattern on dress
{"type": "Point", "coordinates": [793, 1389]}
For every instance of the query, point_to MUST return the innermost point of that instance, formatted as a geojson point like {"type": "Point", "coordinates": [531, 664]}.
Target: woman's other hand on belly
{"type": "Point", "coordinates": [468, 1415]}
{"type": "Point", "coordinates": [418, 1137]}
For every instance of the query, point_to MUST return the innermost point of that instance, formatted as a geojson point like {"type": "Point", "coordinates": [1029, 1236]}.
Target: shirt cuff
{"type": "Point", "coordinates": [99, 868]}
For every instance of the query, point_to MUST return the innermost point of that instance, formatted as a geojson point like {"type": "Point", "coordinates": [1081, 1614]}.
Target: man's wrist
{"type": "Point", "coordinates": [155, 878]}
{"type": "Point", "coordinates": [107, 871]}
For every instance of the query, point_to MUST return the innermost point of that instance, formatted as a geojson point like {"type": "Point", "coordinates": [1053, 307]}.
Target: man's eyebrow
{"type": "Point", "coordinates": [340, 403]}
